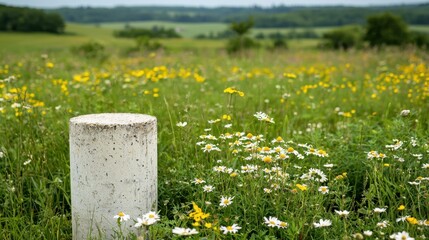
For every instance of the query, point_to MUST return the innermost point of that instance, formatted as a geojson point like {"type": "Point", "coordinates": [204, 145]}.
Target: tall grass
{"type": "Point", "coordinates": [334, 138]}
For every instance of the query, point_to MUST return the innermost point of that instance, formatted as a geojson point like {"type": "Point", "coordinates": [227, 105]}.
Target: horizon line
{"type": "Point", "coordinates": [222, 6]}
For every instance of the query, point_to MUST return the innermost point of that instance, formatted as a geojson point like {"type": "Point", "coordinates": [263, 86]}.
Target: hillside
{"type": "Point", "coordinates": [277, 16]}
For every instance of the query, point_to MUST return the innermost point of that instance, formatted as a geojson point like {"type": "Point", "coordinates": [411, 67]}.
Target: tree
{"type": "Point", "coordinates": [241, 41]}
{"type": "Point", "coordinates": [54, 23]}
{"type": "Point", "coordinates": [242, 28]}
{"type": "Point", "coordinates": [29, 20]}
{"type": "Point", "coordinates": [386, 29]}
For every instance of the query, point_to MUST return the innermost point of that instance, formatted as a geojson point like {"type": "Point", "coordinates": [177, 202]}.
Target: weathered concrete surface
{"type": "Point", "coordinates": [113, 168]}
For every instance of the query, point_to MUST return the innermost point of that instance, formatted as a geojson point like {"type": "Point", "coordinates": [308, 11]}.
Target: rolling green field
{"type": "Point", "coordinates": [424, 29]}
{"type": "Point", "coordinates": [291, 144]}
{"type": "Point", "coordinates": [187, 30]}
{"type": "Point", "coordinates": [191, 30]}
{"type": "Point", "coordinates": [77, 34]}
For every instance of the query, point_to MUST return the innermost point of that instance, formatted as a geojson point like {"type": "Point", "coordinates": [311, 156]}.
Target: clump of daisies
{"type": "Point", "coordinates": [315, 175]}
{"type": "Point", "coordinates": [275, 222]}
{"type": "Point", "coordinates": [322, 223]}
{"type": "Point", "coordinates": [263, 117]}
{"type": "Point", "coordinates": [343, 213]}
{"type": "Point", "coordinates": [147, 219]}
{"type": "Point", "coordinates": [181, 124]}
{"type": "Point", "coordinates": [184, 231]}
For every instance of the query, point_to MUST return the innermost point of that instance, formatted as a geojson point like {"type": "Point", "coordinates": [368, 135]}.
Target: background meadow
{"type": "Point", "coordinates": [286, 144]}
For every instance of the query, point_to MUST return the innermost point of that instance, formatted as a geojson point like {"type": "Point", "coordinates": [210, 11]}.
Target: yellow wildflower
{"type": "Point", "coordinates": [196, 224]}
{"type": "Point", "coordinates": [231, 90]}
{"type": "Point", "coordinates": [226, 117]}
{"type": "Point", "coordinates": [412, 220]}
{"type": "Point", "coordinates": [198, 214]}
{"type": "Point", "coordinates": [302, 187]}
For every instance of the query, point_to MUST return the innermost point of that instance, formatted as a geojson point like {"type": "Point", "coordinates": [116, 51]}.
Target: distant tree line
{"type": "Point", "coordinates": [380, 30]}
{"type": "Point", "coordinates": [228, 33]}
{"type": "Point", "coordinates": [154, 32]}
{"type": "Point", "coordinates": [293, 34]}
{"type": "Point", "coordinates": [29, 20]}
{"type": "Point", "coordinates": [276, 16]}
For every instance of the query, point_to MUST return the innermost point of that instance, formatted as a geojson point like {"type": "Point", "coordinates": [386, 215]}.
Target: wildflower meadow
{"type": "Point", "coordinates": [293, 144]}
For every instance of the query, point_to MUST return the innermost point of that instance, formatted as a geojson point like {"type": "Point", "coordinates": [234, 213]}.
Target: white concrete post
{"type": "Point", "coordinates": [113, 168]}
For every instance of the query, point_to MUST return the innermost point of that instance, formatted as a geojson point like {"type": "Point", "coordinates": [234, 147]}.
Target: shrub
{"type": "Point", "coordinates": [91, 50]}
{"type": "Point", "coordinates": [419, 39]}
{"type": "Point", "coordinates": [145, 43]}
{"type": "Point", "coordinates": [237, 44]}
{"type": "Point", "coordinates": [279, 43]}
{"type": "Point", "coordinates": [343, 38]}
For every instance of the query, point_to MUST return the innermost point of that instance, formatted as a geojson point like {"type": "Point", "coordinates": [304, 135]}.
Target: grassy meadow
{"type": "Point", "coordinates": [291, 144]}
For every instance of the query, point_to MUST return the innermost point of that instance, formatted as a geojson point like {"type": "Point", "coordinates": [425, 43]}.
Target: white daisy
{"type": "Point", "coordinates": [144, 221]}
{"type": "Point", "coordinates": [271, 221]}
{"type": "Point", "coordinates": [322, 223]}
{"type": "Point", "coordinates": [181, 124]}
{"type": "Point", "coordinates": [263, 117]}
{"type": "Point", "coordinates": [210, 147]}
{"type": "Point", "coordinates": [122, 217]}
{"type": "Point", "coordinates": [230, 229]}
{"type": "Point", "coordinates": [208, 188]}
{"type": "Point", "coordinates": [152, 216]}
{"type": "Point", "coordinates": [344, 213]}
{"type": "Point", "coordinates": [383, 224]}
{"type": "Point", "coordinates": [379, 210]}
{"type": "Point", "coordinates": [225, 201]}
{"type": "Point", "coordinates": [401, 236]}
{"type": "Point", "coordinates": [184, 231]}
{"type": "Point", "coordinates": [405, 112]}
{"type": "Point", "coordinates": [323, 189]}
{"type": "Point", "coordinates": [198, 181]}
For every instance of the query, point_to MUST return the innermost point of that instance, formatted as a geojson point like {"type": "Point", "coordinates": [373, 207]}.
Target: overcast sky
{"type": "Point", "coordinates": [205, 3]}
